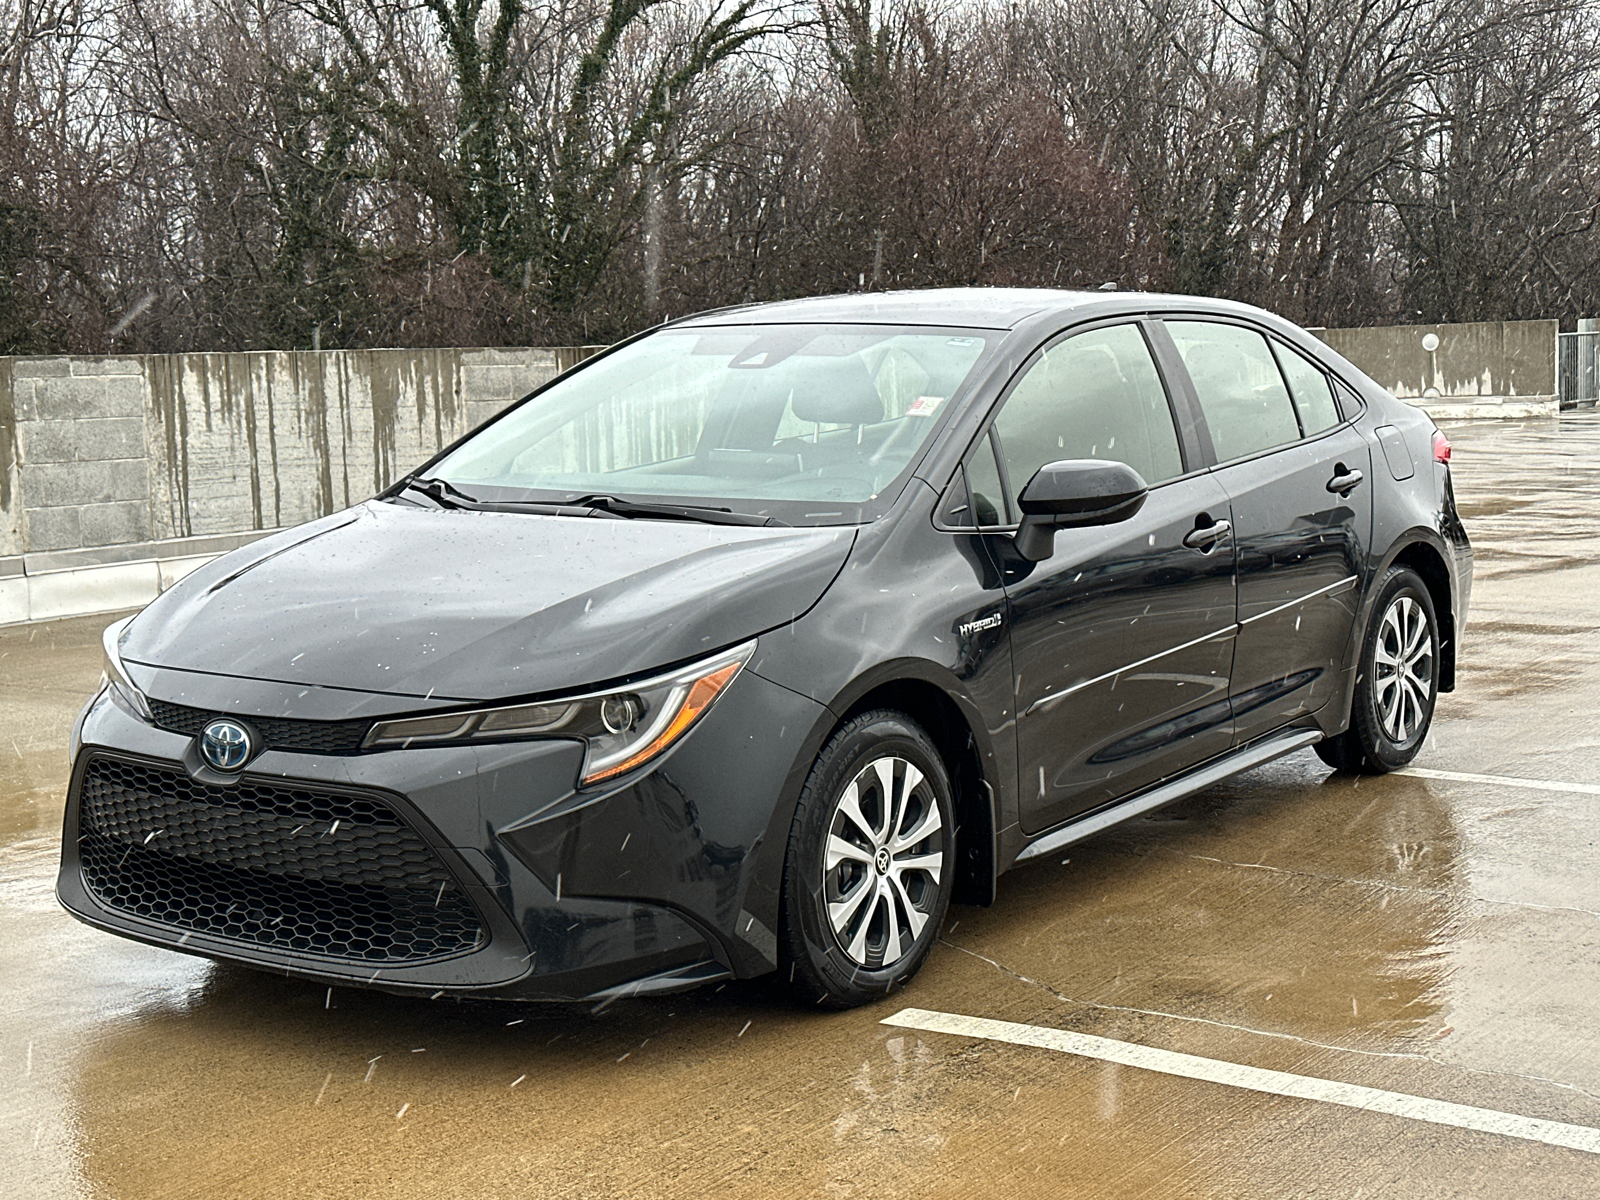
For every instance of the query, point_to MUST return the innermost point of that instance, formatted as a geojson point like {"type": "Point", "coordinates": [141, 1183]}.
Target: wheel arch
{"type": "Point", "coordinates": [1428, 562]}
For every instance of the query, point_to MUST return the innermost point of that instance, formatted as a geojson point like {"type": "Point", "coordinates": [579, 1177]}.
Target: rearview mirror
{"type": "Point", "coordinates": [1073, 493]}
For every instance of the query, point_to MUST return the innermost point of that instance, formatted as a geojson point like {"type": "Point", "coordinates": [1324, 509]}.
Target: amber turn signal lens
{"type": "Point", "coordinates": [701, 694]}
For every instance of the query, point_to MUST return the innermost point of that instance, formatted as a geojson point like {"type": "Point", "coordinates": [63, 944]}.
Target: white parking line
{"type": "Point", "coordinates": [1538, 785]}
{"type": "Point", "coordinates": [1255, 1079]}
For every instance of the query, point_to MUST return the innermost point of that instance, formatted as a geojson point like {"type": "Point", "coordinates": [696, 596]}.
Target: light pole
{"type": "Point", "coordinates": [1430, 343]}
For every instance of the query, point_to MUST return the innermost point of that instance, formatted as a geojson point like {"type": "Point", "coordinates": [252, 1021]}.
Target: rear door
{"type": "Point", "coordinates": [1122, 639]}
{"type": "Point", "coordinates": [1299, 483]}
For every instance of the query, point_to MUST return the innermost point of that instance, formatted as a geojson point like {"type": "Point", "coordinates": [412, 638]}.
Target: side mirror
{"type": "Point", "coordinates": [1074, 493]}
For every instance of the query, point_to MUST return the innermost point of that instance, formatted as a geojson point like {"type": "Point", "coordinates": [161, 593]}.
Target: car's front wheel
{"type": "Point", "coordinates": [1397, 681]}
{"type": "Point", "coordinates": [870, 862]}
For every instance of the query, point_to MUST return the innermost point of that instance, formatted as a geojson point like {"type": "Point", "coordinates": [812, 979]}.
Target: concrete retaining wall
{"type": "Point", "coordinates": [119, 474]}
{"type": "Point", "coordinates": [1485, 369]}
{"type": "Point", "coordinates": [111, 467]}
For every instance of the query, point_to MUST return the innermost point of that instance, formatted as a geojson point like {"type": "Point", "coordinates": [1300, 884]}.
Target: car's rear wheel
{"type": "Point", "coordinates": [1397, 681]}
{"type": "Point", "coordinates": [870, 862]}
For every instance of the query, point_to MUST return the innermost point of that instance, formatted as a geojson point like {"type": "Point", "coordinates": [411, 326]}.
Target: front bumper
{"type": "Point", "coordinates": [668, 879]}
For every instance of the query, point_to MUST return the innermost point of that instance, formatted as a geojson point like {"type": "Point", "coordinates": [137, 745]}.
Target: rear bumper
{"type": "Point", "coordinates": [1461, 571]}
{"type": "Point", "coordinates": [1459, 547]}
{"type": "Point", "coordinates": [664, 882]}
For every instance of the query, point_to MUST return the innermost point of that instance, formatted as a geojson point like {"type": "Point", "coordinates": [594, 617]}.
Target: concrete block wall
{"type": "Point", "coordinates": [81, 445]}
{"type": "Point", "coordinates": [120, 473]}
{"type": "Point", "coordinates": [1478, 369]}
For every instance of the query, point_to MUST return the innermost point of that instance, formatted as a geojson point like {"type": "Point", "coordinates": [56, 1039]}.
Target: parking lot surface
{"type": "Point", "coordinates": [1432, 935]}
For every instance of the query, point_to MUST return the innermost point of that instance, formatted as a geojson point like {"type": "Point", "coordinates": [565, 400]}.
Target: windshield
{"type": "Point", "coordinates": [808, 424]}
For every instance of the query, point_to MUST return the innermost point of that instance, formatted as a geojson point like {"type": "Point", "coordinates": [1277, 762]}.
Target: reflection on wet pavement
{"type": "Point", "coordinates": [1427, 936]}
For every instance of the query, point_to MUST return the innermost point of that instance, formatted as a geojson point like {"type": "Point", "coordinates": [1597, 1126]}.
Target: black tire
{"type": "Point", "coordinates": [1383, 737]}
{"type": "Point", "coordinates": [888, 877]}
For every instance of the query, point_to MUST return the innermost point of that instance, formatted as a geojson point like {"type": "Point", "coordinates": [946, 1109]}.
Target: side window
{"type": "Point", "coordinates": [1095, 395]}
{"type": "Point", "coordinates": [1241, 392]}
{"type": "Point", "coordinates": [955, 507]}
{"type": "Point", "coordinates": [1349, 402]}
{"type": "Point", "coordinates": [1312, 393]}
{"type": "Point", "coordinates": [983, 478]}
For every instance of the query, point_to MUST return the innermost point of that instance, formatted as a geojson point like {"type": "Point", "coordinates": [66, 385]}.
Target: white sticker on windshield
{"type": "Point", "coordinates": [924, 406]}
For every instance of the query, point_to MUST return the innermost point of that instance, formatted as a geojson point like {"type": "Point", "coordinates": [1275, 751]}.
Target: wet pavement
{"type": "Point", "coordinates": [1428, 936]}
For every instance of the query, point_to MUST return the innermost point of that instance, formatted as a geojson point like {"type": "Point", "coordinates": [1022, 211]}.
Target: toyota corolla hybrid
{"type": "Point", "coordinates": [753, 643]}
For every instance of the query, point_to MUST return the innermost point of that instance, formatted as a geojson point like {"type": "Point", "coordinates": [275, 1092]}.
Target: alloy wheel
{"type": "Point", "coordinates": [1403, 669]}
{"type": "Point", "coordinates": [882, 862]}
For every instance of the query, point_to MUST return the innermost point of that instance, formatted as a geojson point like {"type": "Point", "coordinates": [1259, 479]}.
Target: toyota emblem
{"type": "Point", "coordinates": [226, 745]}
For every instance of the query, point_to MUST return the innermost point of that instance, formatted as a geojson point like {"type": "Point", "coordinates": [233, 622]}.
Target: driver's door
{"type": "Point", "coordinates": [1122, 640]}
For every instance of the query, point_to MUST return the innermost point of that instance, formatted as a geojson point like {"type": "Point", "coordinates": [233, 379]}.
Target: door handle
{"type": "Point", "coordinates": [1345, 482]}
{"type": "Point", "coordinates": [1207, 536]}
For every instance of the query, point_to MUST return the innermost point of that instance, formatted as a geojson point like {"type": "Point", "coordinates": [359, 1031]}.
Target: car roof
{"type": "Point", "coordinates": [971, 307]}
{"type": "Point", "coordinates": [982, 308]}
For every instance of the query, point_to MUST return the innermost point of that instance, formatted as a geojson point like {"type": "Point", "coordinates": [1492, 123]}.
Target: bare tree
{"type": "Point", "coordinates": [1497, 209]}
{"type": "Point", "coordinates": [185, 174]}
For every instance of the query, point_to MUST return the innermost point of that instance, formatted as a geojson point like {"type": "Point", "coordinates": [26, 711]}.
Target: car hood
{"type": "Point", "coordinates": [479, 605]}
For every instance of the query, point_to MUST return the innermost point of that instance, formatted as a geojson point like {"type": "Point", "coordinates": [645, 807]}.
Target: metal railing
{"type": "Point", "coordinates": [1578, 366]}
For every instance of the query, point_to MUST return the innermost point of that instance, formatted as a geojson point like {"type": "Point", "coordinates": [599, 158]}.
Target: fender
{"type": "Point", "coordinates": [901, 670]}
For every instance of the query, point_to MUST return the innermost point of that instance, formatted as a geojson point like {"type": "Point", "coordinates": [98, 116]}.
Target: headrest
{"type": "Point", "coordinates": [1085, 370]}
{"type": "Point", "coordinates": [837, 391]}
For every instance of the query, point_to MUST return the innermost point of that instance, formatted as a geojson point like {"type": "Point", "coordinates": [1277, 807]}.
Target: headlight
{"type": "Point", "coordinates": [124, 692]}
{"type": "Point", "coordinates": [624, 729]}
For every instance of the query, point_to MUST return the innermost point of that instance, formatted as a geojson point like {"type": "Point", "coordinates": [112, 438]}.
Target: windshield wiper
{"type": "Point", "coordinates": [447, 495]}
{"type": "Point", "coordinates": [444, 493]}
{"type": "Point", "coordinates": [618, 506]}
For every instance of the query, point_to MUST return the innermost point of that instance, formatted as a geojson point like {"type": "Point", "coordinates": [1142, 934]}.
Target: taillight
{"type": "Point", "coordinates": [1441, 447]}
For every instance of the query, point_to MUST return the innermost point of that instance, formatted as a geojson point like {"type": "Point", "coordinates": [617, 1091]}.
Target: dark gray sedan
{"type": "Point", "coordinates": [756, 641]}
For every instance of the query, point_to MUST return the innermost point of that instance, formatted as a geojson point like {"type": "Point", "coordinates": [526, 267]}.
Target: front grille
{"type": "Point", "coordinates": [277, 865]}
{"type": "Point", "coordinates": [311, 737]}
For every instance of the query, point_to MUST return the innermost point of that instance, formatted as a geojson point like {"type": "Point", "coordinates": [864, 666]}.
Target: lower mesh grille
{"type": "Point", "coordinates": [292, 868]}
